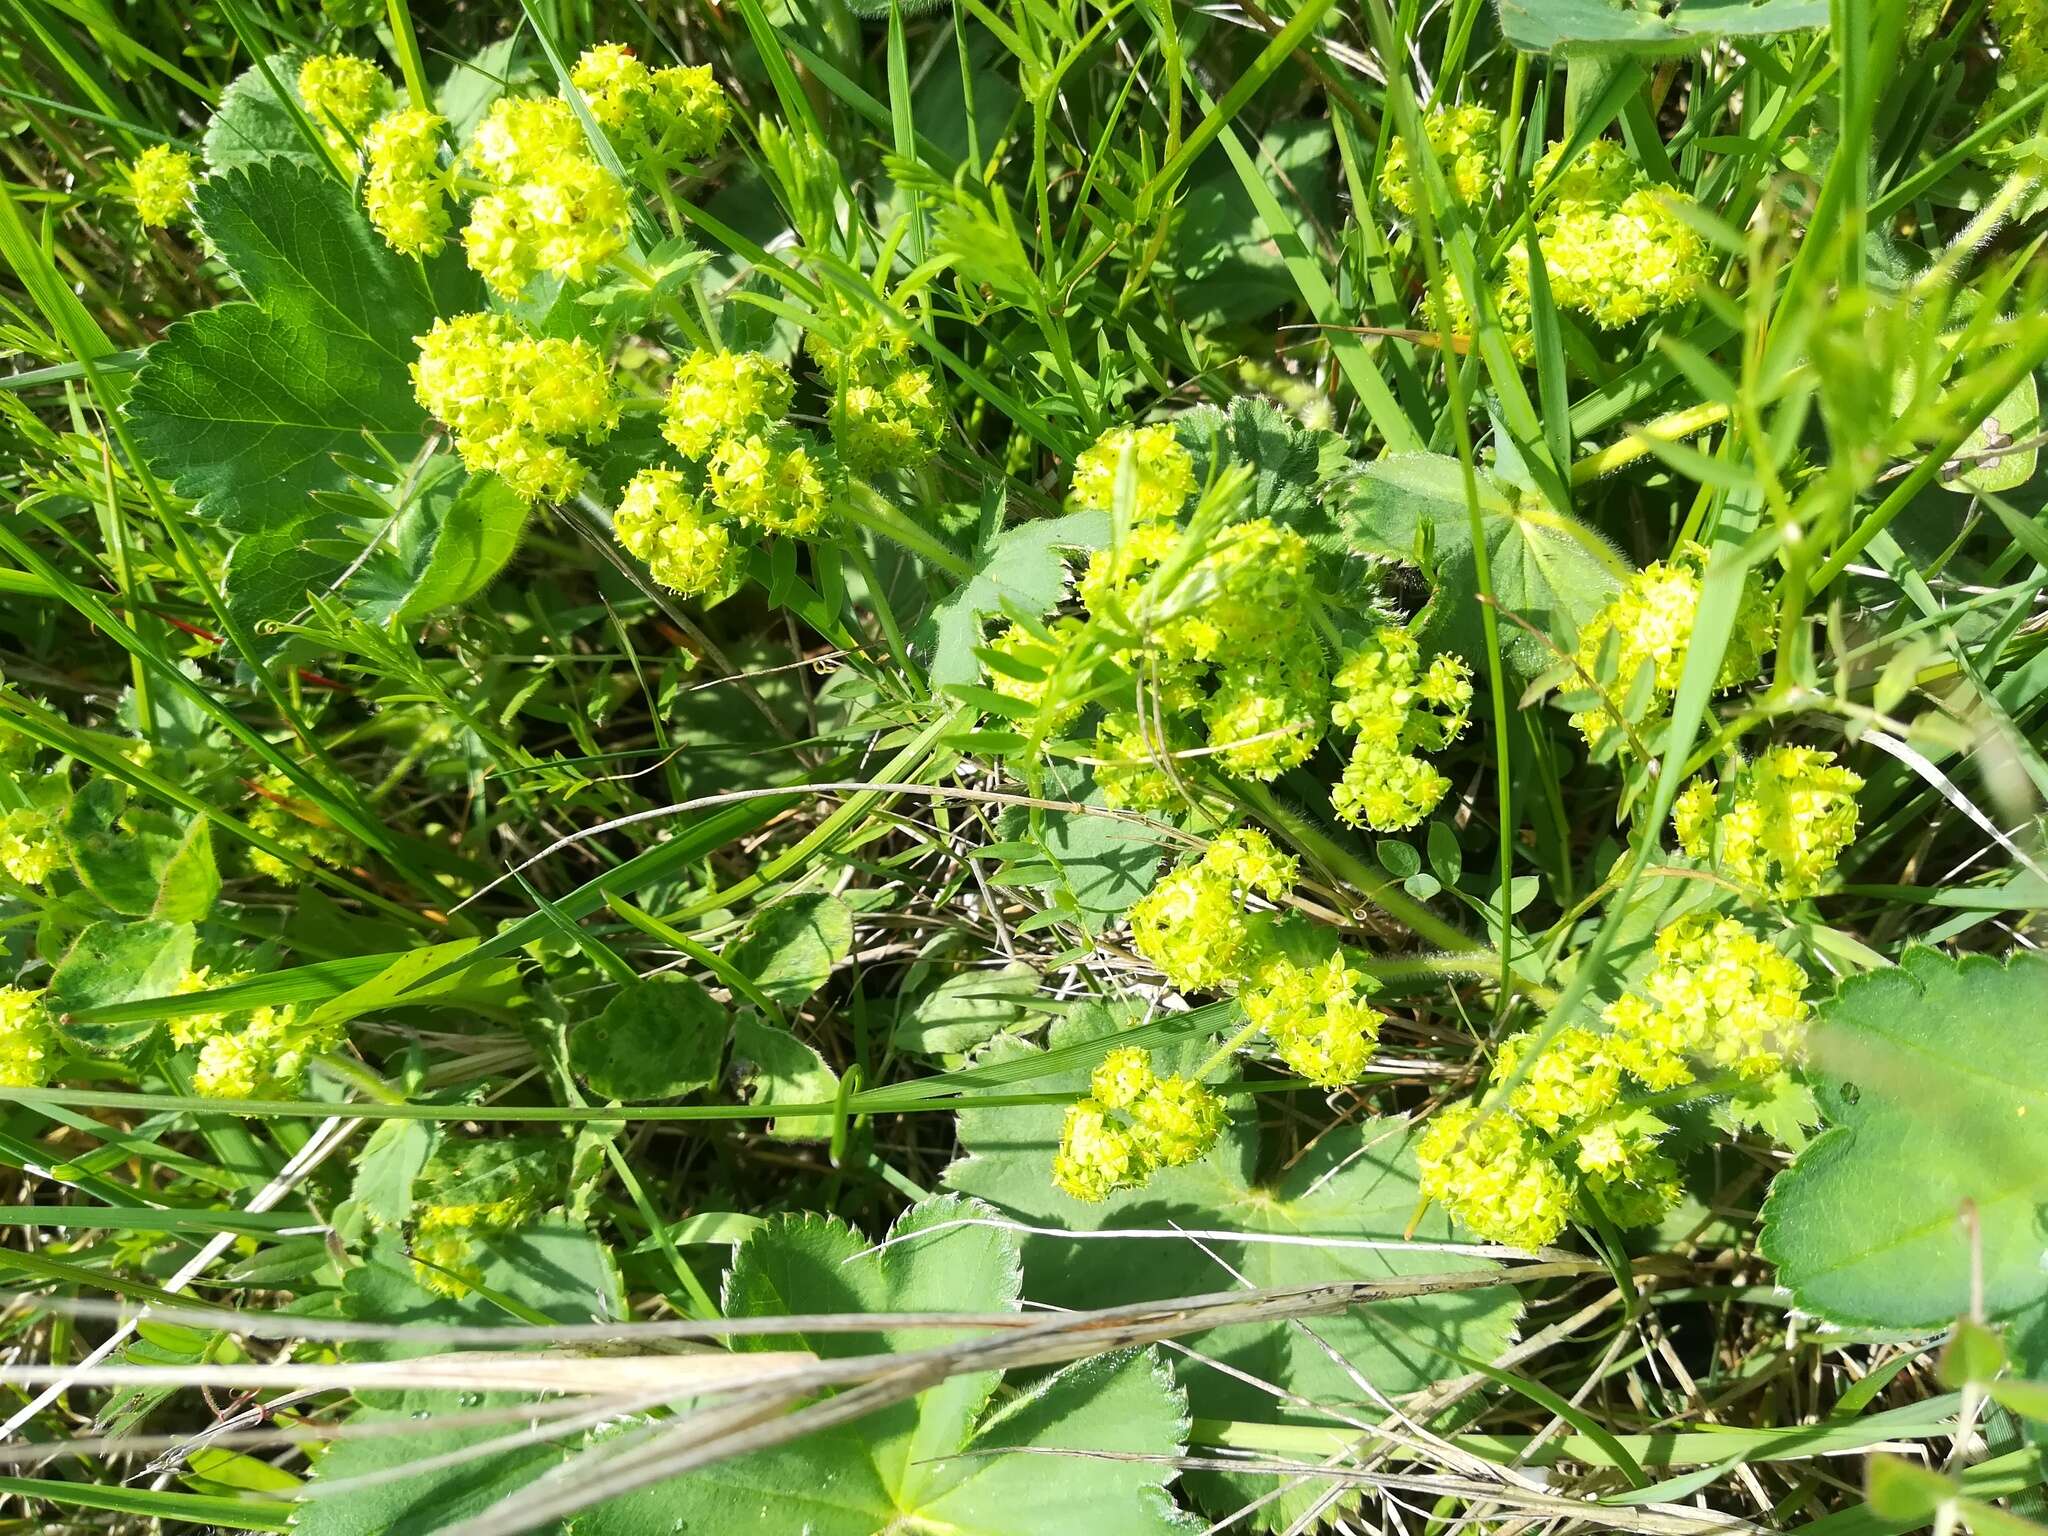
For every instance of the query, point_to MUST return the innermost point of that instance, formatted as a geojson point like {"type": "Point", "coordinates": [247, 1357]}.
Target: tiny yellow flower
{"type": "Point", "coordinates": [1466, 143]}
{"type": "Point", "coordinates": [716, 395]}
{"type": "Point", "coordinates": [774, 481]}
{"type": "Point", "coordinates": [1486, 1169]}
{"type": "Point", "coordinates": [30, 848]}
{"type": "Point", "coordinates": [1777, 825]}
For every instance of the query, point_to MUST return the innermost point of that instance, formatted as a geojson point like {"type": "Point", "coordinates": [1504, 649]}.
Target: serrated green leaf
{"type": "Point", "coordinates": [1289, 462]}
{"type": "Point", "coordinates": [245, 407]}
{"type": "Point", "coordinates": [792, 947]}
{"type": "Point", "coordinates": [775, 1067]}
{"type": "Point", "coordinates": [923, 1465]}
{"type": "Point", "coordinates": [1023, 567]}
{"type": "Point", "coordinates": [1935, 1078]}
{"type": "Point", "coordinates": [251, 123]}
{"type": "Point", "coordinates": [660, 1038]}
{"type": "Point", "coordinates": [475, 537]}
{"type": "Point", "coordinates": [1541, 26]}
{"type": "Point", "coordinates": [1355, 1182]}
{"type": "Point", "coordinates": [112, 962]}
{"type": "Point", "coordinates": [1548, 569]}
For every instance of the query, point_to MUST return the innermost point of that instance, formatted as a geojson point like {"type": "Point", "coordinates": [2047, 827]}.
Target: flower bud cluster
{"type": "Point", "coordinates": [1777, 824]}
{"type": "Point", "coordinates": [160, 184]}
{"type": "Point", "coordinates": [510, 398]}
{"type": "Point", "coordinates": [545, 204]}
{"type": "Point", "coordinates": [30, 848]}
{"type": "Point", "coordinates": [724, 415]}
{"type": "Point", "coordinates": [1648, 624]}
{"type": "Point", "coordinates": [283, 818]}
{"type": "Point", "coordinates": [29, 1047]}
{"type": "Point", "coordinates": [1197, 926]}
{"type": "Point", "coordinates": [262, 1053]}
{"type": "Point", "coordinates": [1132, 1123]}
{"type": "Point", "coordinates": [1399, 710]}
{"type": "Point", "coordinates": [469, 1190]}
{"type": "Point", "coordinates": [1615, 245]}
{"type": "Point", "coordinates": [1466, 143]}
{"type": "Point", "coordinates": [655, 118]}
{"type": "Point", "coordinates": [343, 95]}
{"type": "Point", "coordinates": [1556, 1136]}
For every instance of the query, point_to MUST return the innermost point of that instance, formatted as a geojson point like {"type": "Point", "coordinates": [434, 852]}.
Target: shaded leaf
{"type": "Point", "coordinates": [114, 962]}
{"type": "Point", "coordinates": [1023, 567]}
{"type": "Point", "coordinates": [1540, 26]}
{"type": "Point", "coordinates": [1935, 1078]}
{"type": "Point", "coordinates": [660, 1038]}
{"type": "Point", "coordinates": [966, 1010]}
{"type": "Point", "coordinates": [792, 947]}
{"type": "Point", "coordinates": [775, 1067]}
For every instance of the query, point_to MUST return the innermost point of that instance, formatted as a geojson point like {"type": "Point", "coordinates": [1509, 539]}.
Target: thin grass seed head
{"type": "Point", "coordinates": [343, 95]}
{"type": "Point", "coordinates": [1777, 825]}
{"type": "Point", "coordinates": [29, 1047]}
{"type": "Point", "coordinates": [160, 185]}
{"type": "Point", "coordinates": [405, 189]}
{"type": "Point", "coordinates": [1466, 143]}
{"type": "Point", "coordinates": [685, 546]}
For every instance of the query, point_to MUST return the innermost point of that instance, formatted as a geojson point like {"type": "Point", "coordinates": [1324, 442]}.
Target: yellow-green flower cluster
{"type": "Point", "coordinates": [405, 188]}
{"type": "Point", "coordinates": [713, 396]}
{"type": "Point", "coordinates": [28, 1040]}
{"type": "Point", "coordinates": [1557, 1136]}
{"type": "Point", "coordinates": [509, 398]}
{"type": "Point", "coordinates": [1777, 824]}
{"type": "Point", "coordinates": [260, 1054]}
{"type": "Point", "coordinates": [1466, 143]}
{"type": "Point", "coordinates": [1514, 1169]}
{"type": "Point", "coordinates": [1194, 923]}
{"type": "Point", "coordinates": [1649, 624]}
{"type": "Point", "coordinates": [550, 208]}
{"type": "Point", "coordinates": [1019, 646]}
{"type": "Point", "coordinates": [285, 819]}
{"type": "Point", "coordinates": [160, 184]}
{"type": "Point", "coordinates": [686, 548]}
{"type": "Point", "coordinates": [724, 415]}
{"type": "Point", "coordinates": [467, 1191]}
{"type": "Point", "coordinates": [1132, 1123]}
{"type": "Point", "coordinates": [1398, 709]}
{"type": "Point", "coordinates": [887, 421]}
{"type": "Point", "coordinates": [1162, 470]}
{"type": "Point", "coordinates": [1491, 1172]}
{"type": "Point", "coordinates": [1316, 1015]}
{"type": "Point", "coordinates": [2022, 28]}
{"type": "Point", "coordinates": [1614, 246]}
{"type": "Point", "coordinates": [30, 849]}
{"type": "Point", "coordinates": [658, 117]}
{"type": "Point", "coordinates": [1719, 995]}
{"type": "Point", "coordinates": [1227, 629]}
{"type": "Point", "coordinates": [343, 95]}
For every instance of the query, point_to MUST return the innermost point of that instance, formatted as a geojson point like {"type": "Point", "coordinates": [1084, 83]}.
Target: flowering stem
{"type": "Point", "coordinates": [1224, 1052]}
{"type": "Point", "coordinates": [1665, 429]}
{"type": "Point", "coordinates": [873, 512]}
